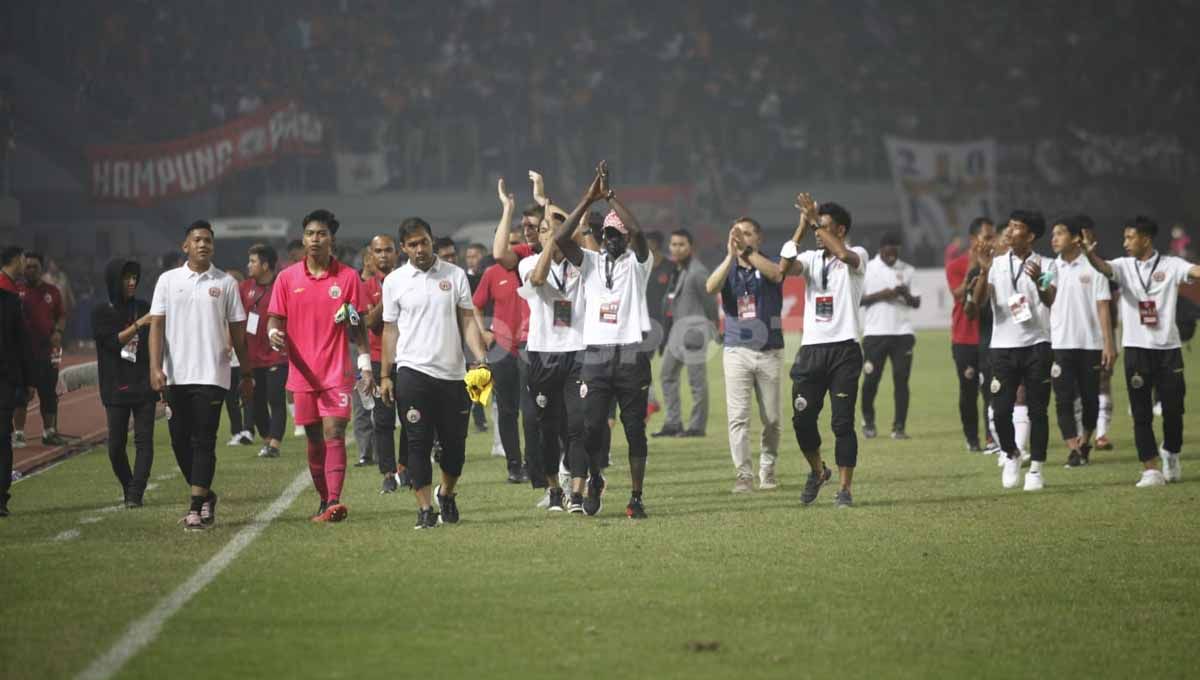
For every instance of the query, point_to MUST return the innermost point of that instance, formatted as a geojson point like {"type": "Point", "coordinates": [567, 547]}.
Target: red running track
{"type": "Point", "coordinates": [80, 415]}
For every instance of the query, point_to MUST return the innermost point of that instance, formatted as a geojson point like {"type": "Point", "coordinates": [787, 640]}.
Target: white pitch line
{"type": "Point", "coordinates": [68, 535]}
{"type": "Point", "coordinates": [143, 631]}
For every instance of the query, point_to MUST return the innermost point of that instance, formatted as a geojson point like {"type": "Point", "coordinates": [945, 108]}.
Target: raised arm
{"type": "Point", "coordinates": [500, 248]}
{"type": "Point", "coordinates": [637, 240]}
{"type": "Point", "coordinates": [787, 256]}
{"type": "Point", "coordinates": [716, 280]}
{"type": "Point", "coordinates": [537, 277]}
{"type": "Point", "coordinates": [1099, 263]}
{"type": "Point", "coordinates": [565, 232]}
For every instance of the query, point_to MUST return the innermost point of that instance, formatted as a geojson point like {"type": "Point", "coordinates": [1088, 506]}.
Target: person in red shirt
{"type": "Point", "coordinates": [383, 417]}
{"type": "Point", "coordinates": [268, 409]}
{"type": "Point", "coordinates": [45, 320]}
{"type": "Point", "coordinates": [12, 268]}
{"type": "Point", "coordinates": [964, 334]}
{"type": "Point", "coordinates": [314, 313]}
{"type": "Point", "coordinates": [509, 331]}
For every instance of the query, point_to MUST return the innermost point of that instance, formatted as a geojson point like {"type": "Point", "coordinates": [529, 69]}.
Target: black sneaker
{"type": "Point", "coordinates": [54, 439]}
{"type": "Point", "coordinates": [974, 447]}
{"type": "Point", "coordinates": [575, 506]}
{"type": "Point", "coordinates": [364, 462]}
{"type": "Point", "coordinates": [900, 434]}
{"type": "Point", "coordinates": [208, 511]}
{"type": "Point", "coordinates": [556, 501]}
{"type": "Point", "coordinates": [426, 519]}
{"type": "Point", "coordinates": [320, 510]}
{"type": "Point", "coordinates": [517, 476]}
{"type": "Point", "coordinates": [3, 507]}
{"type": "Point", "coordinates": [635, 509]}
{"type": "Point", "coordinates": [842, 499]}
{"type": "Point", "coordinates": [447, 505]}
{"type": "Point", "coordinates": [869, 430]}
{"type": "Point", "coordinates": [668, 431]}
{"type": "Point", "coordinates": [389, 484]}
{"type": "Point", "coordinates": [1085, 453]}
{"type": "Point", "coordinates": [812, 486]}
{"type": "Point", "coordinates": [1074, 459]}
{"type": "Point", "coordinates": [133, 499]}
{"type": "Point", "coordinates": [593, 503]}
{"type": "Point", "coordinates": [264, 452]}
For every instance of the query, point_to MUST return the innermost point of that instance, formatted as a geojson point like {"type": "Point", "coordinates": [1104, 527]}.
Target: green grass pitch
{"type": "Point", "coordinates": [937, 572]}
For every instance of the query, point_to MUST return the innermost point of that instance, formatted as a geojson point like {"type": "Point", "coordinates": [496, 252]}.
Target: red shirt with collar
{"type": "Point", "coordinates": [963, 331]}
{"type": "Point", "coordinates": [6, 283]}
{"type": "Point", "coordinates": [372, 292]}
{"type": "Point", "coordinates": [43, 308]}
{"type": "Point", "coordinates": [510, 312]}
{"type": "Point", "coordinates": [318, 349]}
{"type": "Point", "coordinates": [256, 298]}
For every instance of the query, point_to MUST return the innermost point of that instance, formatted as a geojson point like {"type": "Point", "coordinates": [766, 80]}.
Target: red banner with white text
{"type": "Point", "coordinates": [147, 173]}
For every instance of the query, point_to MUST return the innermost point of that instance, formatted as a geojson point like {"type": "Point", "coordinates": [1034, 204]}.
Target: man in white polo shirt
{"type": "Point", "coordinates": [1149, 284]}
{"type": "Point", "coordinates": [1080, 335]}
{"type": "Point", "coordinates": [1020, 352]}
{"type": "Point", "coordinates": [888, 333]}
{"type": "Point", "coordinates": [195, 309]}
{"type": "Point", "coordinates": [555, 292]}
{"type": "Point", "coordinates": [427, 315]}
{"type": "Point", "coordinates": [830, 358]}
{"type": "Point", "coordinates": [617, 360]}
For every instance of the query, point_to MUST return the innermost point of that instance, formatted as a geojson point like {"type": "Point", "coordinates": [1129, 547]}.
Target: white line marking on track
{"type": "Point", "coordinates": [68, 535]}
{"type": "Point", "coordinates": [143, 631]}
{"type": "Point", "coordinates": [151, 487]}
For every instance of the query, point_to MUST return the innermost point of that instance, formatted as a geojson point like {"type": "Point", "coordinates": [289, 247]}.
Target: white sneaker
{"type": "Point", "coordinates": [298, 431]}
{"type": "Point", "coordinates": [1025, 456]}
{"type": "Point", "coordinates": [234, 440]}
{"type": "Point", "coordinates": [1033, 481]}
{"type": "Point", "coordinates": [497, 451]}
{"type": "Point", "coordinates": [1012, 472]}
{"type": "Point", "coordinates": [1151, 478]}
{"type": "Point", "coordinates": [1001, 456]}
{"type": "Point", "coordinates": [1170, 465]}
{"type": "Point", "coordinates": [743, 485]}
{"type": "Point", "coordinates": [766, 479]}
{"type": "Point", "coordinates": [545, 502]}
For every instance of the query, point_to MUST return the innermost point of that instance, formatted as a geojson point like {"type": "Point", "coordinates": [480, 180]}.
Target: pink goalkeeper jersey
{"type": "Point", "coordinates": [318, 349]}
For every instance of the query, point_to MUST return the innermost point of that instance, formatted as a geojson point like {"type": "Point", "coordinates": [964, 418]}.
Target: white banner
{"type": "Point", "coordinates": [361, 173]}
{"type": "Point", "coordinates": [942, 187]}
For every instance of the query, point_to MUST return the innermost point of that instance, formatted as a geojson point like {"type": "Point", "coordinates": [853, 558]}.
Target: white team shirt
{"type": "Point", "coordinates": [890, 317]}
{"type": "Point", "coordinates": [1160, 287]}
{"type": "Point", "coordinates": [1074, 320]}
{"type": "Point", "coordinates": [556, 308]}
{"type": "Point", "coordinates": [615, 315]}
{"type": "Point", "coordinates": [424, 306]}
{"type": "Point", "coordinates": [832, 296]}
{"type": "Point", "coordinates": [1007, 331]}
{"type": "Point", "coordinates": [198, 308]}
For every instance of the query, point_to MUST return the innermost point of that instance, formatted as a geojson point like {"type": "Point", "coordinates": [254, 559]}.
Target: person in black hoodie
{"type": "Point", "coordinates": [16, 366]}
{"type": "Point", "coordinates": [122, 333]}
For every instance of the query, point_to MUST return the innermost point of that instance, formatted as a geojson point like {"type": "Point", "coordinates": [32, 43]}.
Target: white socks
{"type": "Point", "coordinates": [1021, 427]}
{"type": "Point", "coordinates": [1035, 467]}
{"type": "Point", "coordinates": [1105, 416]}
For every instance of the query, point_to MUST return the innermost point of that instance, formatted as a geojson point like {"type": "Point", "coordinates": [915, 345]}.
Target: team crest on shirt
{"type": "Point", "coordinates": [800, 404]}
{"type": "Point", "coordinates": [444, 285]}
{"type": "Point", "coordinates": [1086, 279]}
{"type": "Point", "coordinates": [541, 400]}
{"type": "Point", "coordinates": [868, 368]}
{"type": "Point", "coordinates": [1160, 276]}
{"type": "Point", "coordinates": [995, 385]}
{"type": "Point", "coordinates": [583, 390]}
{"type": "Point", "coordinates": [47, 298]}
{"type": "Point", "coordinates": [969, 373]}
{"type": "Point", "coordinates": [214, 292]}
{"type": "Point", "coordinates": [1055, 370]}
{"type": "Point", "coordinates": [335, 291]}
{"type": "Point", "coordinates": [1136, 381]}
{"type": "Point", "coordinates": [413, 416]}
